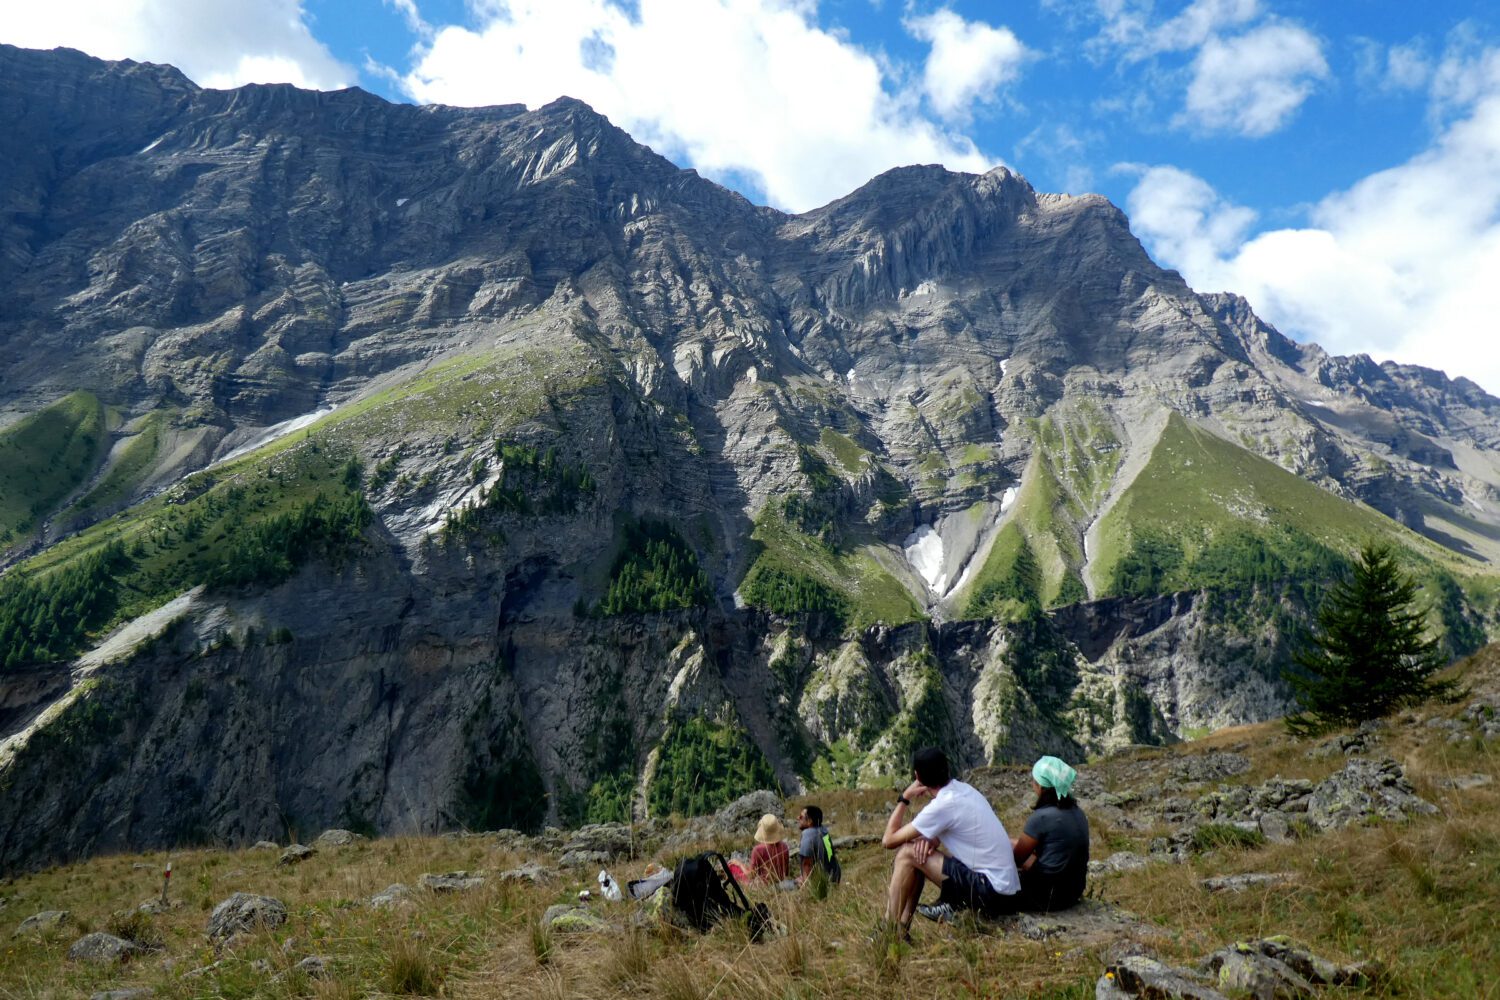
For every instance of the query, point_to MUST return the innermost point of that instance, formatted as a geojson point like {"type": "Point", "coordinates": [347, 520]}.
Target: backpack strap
{"type": "Point", "coordinates": [744, 900]}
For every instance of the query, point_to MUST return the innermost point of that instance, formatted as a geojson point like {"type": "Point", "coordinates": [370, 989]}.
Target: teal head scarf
{"type": "Point", "coordinates": [1050, 772]}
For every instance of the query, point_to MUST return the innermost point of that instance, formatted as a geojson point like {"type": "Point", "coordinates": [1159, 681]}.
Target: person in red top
{"type": "Point", "coordinates": [768, 860]}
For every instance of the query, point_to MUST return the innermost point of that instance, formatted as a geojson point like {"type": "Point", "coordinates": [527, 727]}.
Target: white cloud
{"type": "Point", "coordinates": [969, 60]}
{"type": "Point", "coordinates": [1126, 25]}
{"type": "Point", "coordinates": [1401, 265]}
{"type": "Point", "coordinates": [217, 43]}
{"type": "Point", "coordinates": [752, 88]}
{"type": "Point", "coordinates": [1249, 72]}
{"type": "Point", "coordinates": [1252, 83]}
{"type": "Point", "coordinates": [1407, 66]}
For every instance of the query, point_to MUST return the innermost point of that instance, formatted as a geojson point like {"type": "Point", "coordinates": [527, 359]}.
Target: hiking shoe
{"type": "Point", "coordinates": [940, 912]}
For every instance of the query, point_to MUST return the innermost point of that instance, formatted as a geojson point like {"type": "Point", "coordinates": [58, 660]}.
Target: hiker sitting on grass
{"type": "Point", "coordinates": [769, 857]}
{"type": "Point", "coordinates": [1052, 852]}
{"type": "Point", "coordinates": [816, 847]}
{"type": "Point", "coordinates": [957, 843]}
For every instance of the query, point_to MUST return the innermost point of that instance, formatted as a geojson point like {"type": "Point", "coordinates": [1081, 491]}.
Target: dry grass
{"type": "Point", "coordinates": [1422, 898]}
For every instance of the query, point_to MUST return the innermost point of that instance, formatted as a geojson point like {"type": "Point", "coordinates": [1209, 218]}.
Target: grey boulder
{"type": "Point", "coordinates": [394, 895]}
{"type": "Point", "coordinates": [296, 854]}
{"type": "Point", "coordinates": [452, 881]}
{"type": "Point", "coordinates": [44, 921]}
{"type": "Point", "coordinates": [102, 948]}
{"type": "Point", "coordinates": [1363, 791]}
{"type": "Point", "coordinates": [245, 912]}
{"type": "Point", "coordinates": [740, 816]}
{"type": "Point", "coordinates": [337, 838]}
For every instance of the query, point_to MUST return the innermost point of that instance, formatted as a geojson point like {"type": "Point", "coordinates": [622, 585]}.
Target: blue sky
{"type": "Point", "coordinates": [1336, 162]}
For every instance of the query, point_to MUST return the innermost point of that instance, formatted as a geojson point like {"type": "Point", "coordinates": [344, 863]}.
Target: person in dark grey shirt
{"type": "Point", "coordinates": [1052, 852]}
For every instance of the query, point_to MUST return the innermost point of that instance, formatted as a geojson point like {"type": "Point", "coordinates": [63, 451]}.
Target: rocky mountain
{"type": "Point", "coordinates": [404, 468]}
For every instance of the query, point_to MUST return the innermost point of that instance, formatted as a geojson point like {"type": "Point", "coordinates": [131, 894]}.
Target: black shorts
{"type": "Point", "coordinates": [965, 889]}
{"type": "Point", "coordinates": [1046, 892]}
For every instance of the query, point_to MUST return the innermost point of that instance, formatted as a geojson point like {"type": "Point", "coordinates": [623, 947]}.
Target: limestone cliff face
{"type": "Point", "coordinates": [903, 437]}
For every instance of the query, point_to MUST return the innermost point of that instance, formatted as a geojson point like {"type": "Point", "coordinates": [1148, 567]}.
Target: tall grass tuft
{"type": "Point", "coordinates": [411, 969]}
{"type": "Point", "coordinates": [1222, 836]}
{"type": "Point", "coordinates": [541, 942]}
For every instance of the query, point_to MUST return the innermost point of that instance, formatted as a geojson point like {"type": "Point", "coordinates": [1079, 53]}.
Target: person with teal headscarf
{"type": "Point", "coordinates": [1052, 852]}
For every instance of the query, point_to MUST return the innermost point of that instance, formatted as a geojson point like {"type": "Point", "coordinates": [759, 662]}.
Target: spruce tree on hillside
{"type": "Point", "coordinates": [1370, 653]}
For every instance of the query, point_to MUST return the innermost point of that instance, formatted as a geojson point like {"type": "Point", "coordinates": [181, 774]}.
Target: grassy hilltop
{"type": "Point", "coordinates": [1419, 897]}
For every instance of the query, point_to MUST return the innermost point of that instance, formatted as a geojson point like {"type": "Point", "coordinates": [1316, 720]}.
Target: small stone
{"type": "Point", "coordinates": [337, 838]}
{"type": "Point", "coordinates": [244, 912]}
{"type": "Point", "coordinates": [1211, 767]}
{"type": "Point", "coordinates": [316, 966]}
{"type": "Point", "coordinates": [265, 845]}
{"type": "Point", "coordinates": [452, 881]}
{"type": "Point", "coordinates": [529, 872]}
{"type": "Point", "coordinates": [261, 965]}
{"type": "Point", "coordinates": [1120, 861]}
{"type": "Point", "coordinates": [1249, 880]}
{"type": "Point", "coordinates": [101, 948]}
{"type": "Point", "coordinates": [1274, 827]}
{"type": "Point", "coordinates": [1464, 782]}
{"type": "Point", "coordinates": [568, 919]}
{"type": "Point", "coordinates": [584, 859]}
{"type": "Point", "coordinates": [600, 842]}
{"type": "Point", "coordinates": [1243, 970]}
{"type": "Point", "coordinates": [395, 895]}
{"type": "Point", "coordinates": [1139, 976]}
{"type": "Point", "coordinates": [37, 923]}
{"type": "Point", "coordinates": [296, 854]}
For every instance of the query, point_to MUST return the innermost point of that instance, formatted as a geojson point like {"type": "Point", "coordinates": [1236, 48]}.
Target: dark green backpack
{"type": "Point", "coordinates": [825, 858]}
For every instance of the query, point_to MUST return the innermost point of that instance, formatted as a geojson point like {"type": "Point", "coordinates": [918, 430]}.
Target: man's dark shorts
{"type": "Point", "coordinates": [965, 889]}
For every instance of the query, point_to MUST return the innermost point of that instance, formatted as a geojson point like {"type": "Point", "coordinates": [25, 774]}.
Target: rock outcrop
{"type": "Point", "coordinates": [244, 912]}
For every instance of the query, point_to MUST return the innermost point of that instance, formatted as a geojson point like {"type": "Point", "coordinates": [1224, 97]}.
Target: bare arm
{"type": "Point", "coordinates": [897, 830]}
{"type": "Point", "coordinates": [1024, 847]}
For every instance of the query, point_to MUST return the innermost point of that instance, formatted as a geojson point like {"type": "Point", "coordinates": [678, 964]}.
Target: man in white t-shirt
{"type": "Point", "coordinates": [957, 843]}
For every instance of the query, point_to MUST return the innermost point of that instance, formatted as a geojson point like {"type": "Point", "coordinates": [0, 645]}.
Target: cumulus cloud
{"type": "Point", "coordinates": [1127, 27]}
{"type": "Point", "coordinates": [969, 60]}
{"type": "Point", "coordinates": [1249, 70]}
{"type": "Point", "coordinates": [217, 43]}
{"type": "Point", "coordinates": [752, 89]}
{"type": "Point", "coordinates": [1252, 83]}
{"type": "Point", "coordinates": [1400, 265]}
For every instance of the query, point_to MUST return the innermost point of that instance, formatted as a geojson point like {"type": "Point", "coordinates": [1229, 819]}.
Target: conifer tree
{"type": "Point", "coordinates": [1370, 653]}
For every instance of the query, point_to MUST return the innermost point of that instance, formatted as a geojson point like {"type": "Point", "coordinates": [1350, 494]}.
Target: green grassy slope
{"type": "Point", "coordinates": [44, 458]}
{"type": "Point", "coordinates": [135, 462]}
{"type": "Point", "coordinates": [1075, 457]}
{"type": "Point", "coordinates": [795, 572]}
{"type": "Point", "coordinates": [1198, 490]}
{"type": "Point", "coordinates": [257, 517]}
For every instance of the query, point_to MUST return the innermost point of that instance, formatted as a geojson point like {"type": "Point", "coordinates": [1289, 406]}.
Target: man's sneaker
{"type": "Point", "coordinates": [941, 912]}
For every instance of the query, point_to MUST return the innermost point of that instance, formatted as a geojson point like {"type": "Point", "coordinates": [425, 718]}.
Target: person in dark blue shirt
{"type": "Point", "coordinates": [1052, 852]}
